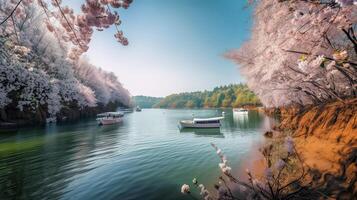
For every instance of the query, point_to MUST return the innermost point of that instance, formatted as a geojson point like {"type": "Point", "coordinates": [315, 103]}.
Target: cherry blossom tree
{"type": "Point", "coordinates": [106, 86]}
{"type": "Point", "coordinates": [301, 52]}
{"type": "Point", "coordinates": [73, 29]}
{"type": "Point", "coordinates": [36, 72]}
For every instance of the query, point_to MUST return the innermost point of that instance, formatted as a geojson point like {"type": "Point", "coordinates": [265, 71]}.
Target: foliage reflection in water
{"type": "Point", "coordinates": [146, 157]}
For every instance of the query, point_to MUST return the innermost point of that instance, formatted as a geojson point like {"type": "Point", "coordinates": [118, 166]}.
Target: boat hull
{"type": "Point", "coordinates": [109, 121]}
{"type": "Point", "coordinates": [187, 124]}
{"type": "Point", "coordinates": [241, 112]}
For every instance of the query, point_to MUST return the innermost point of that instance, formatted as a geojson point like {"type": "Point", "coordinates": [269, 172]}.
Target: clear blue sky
{"type": "Point", "coordinates": [174, 45]}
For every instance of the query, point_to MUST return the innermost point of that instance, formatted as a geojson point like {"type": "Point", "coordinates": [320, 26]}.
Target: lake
{"type": "Point", "coordinates": [145, 157]}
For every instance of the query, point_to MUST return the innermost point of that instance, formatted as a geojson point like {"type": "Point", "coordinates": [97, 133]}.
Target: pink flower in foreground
{"type": "Point", "coordinates": [340, 55]}
{"type": "Point", "coordinates": [219, 152]}
{"type": "Point", "coordinates": [225, 168]}
{"type": "Point", "coordinates": [185, 189]}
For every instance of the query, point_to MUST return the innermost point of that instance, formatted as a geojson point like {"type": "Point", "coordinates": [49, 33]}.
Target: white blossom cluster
{"type": "Point", "coordinates": [74, 28]}
{"type": "Point", "coordinates": [36, 72]}
{"type": "Point", "coordinates": [31, 88]}
{"type": "Point", "coordinates": [301, 52]}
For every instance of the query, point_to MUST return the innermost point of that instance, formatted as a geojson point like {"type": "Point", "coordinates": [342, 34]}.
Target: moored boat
{"type": "Point", "coordinates": [138, 109]}
{"type": "Point", "coordinates": [126, 110]}
{"type": "Point", "coordinates": [240, 110]}
{"type": "Point", "coordinates": [214, 122]}
{"type": "Point", "coordinates": [109, 118]}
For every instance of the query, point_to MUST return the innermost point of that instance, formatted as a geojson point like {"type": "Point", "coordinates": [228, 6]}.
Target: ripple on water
{"type": "Point", "coordinates": [146, 157]}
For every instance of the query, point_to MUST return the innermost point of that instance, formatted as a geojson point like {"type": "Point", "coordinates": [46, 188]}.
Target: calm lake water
{"type": "Point", "coordinates": [145, 157]}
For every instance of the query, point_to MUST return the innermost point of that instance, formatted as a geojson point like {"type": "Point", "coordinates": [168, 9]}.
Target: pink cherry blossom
{"type": "Point", "coordinates": [283, 32]}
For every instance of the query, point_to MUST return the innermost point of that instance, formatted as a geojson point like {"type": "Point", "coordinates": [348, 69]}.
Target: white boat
{"type": "Point", "coordinates": [214, 122]}
{"type": "Point", "coordinates": [240, 110]}
{"type": "Point", "coordinates": [138, 109]}
{"type": "Point", "coordinates": [110, 118]}
{"type": "Point", "coordinates": [126, 110]}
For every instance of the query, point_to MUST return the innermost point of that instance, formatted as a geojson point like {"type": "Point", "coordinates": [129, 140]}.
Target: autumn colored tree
{"type": "Point", "coordinates": [190, 104]}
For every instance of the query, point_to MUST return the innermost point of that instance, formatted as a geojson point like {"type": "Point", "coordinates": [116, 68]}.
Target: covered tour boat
{"type": "Point", "coordinates": [214, 122]}
{"type": "Point", "coordinates": [110, 118]}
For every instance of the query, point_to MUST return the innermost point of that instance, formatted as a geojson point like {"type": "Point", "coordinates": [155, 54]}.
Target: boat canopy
{"type": "Point", "coordinates": [111, 114]}
{"type": "Point", "coordinates": [125, 110]}
{"type": "Point", "coordinates": [240, 110]}
{"type": "Point", "coordinates": [207, 119]}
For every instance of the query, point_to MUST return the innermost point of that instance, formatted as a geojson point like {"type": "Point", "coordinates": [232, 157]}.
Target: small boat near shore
{"type": "Point", "coordinates": [109, 118]}
{"type": "Point", "coordinates": [138, 109]}
{"type": "Point", "coordinates": [240, 110]}
{"type": "Point", "coordinates": [126, 110]}
{"type": "Point", "coordinates": [214, 122]}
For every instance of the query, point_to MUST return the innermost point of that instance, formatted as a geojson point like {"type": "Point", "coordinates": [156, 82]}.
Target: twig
{"type": "Point", "coordinates": [14, 25]}
{"type": "Point", "coordinates": [229, 190]}
{"type": "Point", "coordinates": [12, 12]}
{"type": "Point", "coordinates": [353, 40]}
{"type": "Point", "coordinates": [64, 16]}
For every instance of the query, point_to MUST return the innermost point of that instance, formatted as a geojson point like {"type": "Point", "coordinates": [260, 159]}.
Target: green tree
{"type": "Point", "coordinates": [224, 96]}
{"type": "Point", "coordinates": [190, 104]}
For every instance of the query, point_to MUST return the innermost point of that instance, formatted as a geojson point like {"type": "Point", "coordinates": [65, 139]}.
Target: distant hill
{"type": "Point", "coordinates": [146, 101]}
{"type": "Point", "coordinates": [234, 95]}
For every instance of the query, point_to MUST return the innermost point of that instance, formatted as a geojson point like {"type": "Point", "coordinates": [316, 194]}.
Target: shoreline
{"type": "Point", "coordinates": [324, 138]}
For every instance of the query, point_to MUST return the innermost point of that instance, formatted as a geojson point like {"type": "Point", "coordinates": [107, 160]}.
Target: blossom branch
{"type": "Point", "coordinates": [12, 13]}
{"type": "Point", "coordinates": [69, 25]}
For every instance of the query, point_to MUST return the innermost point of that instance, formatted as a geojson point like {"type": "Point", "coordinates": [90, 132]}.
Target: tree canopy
{"type": "Point", "coordinates": [37, 69]}
{"type": "Point", "coordinates": [146, 101]}
{"type": "Point", "coordinates": [301, 52]}
{"type": "Point", "coordinates": [72, 30]}
{"type": "Point", "coordinates": [234, 95]}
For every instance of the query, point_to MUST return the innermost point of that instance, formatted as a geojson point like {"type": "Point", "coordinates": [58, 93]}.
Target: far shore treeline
{"type": "Point", "coordinates": [146, 101]}
{"type": "Point", "coordinates": [233, 95]}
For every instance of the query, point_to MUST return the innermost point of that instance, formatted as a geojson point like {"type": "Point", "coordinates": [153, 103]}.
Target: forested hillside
{"type": "Point", "coordinates": [224, 96]}
{"type": "Point", "coordinates": [146, 101]}
{"type": "Point", "coordinates": [40, 80]}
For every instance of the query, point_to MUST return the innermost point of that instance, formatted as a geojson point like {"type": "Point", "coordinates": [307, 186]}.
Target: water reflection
{"type": "Point", "coordinates": [84, 161]}
{"type": "Point", "coordinates": [208, 132]}
{"type": "Point", "coordinates": [241, 122]}
{"type": "Point", "coordinates": [110, 128]}
{"type": "Point", "coordinates": [241, 119]}
{"type": "Point", "coordinates": [46, 165]}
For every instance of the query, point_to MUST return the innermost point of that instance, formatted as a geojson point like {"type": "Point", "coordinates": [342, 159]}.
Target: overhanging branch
{"type": "Point", "coordinates": [11, 14]}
